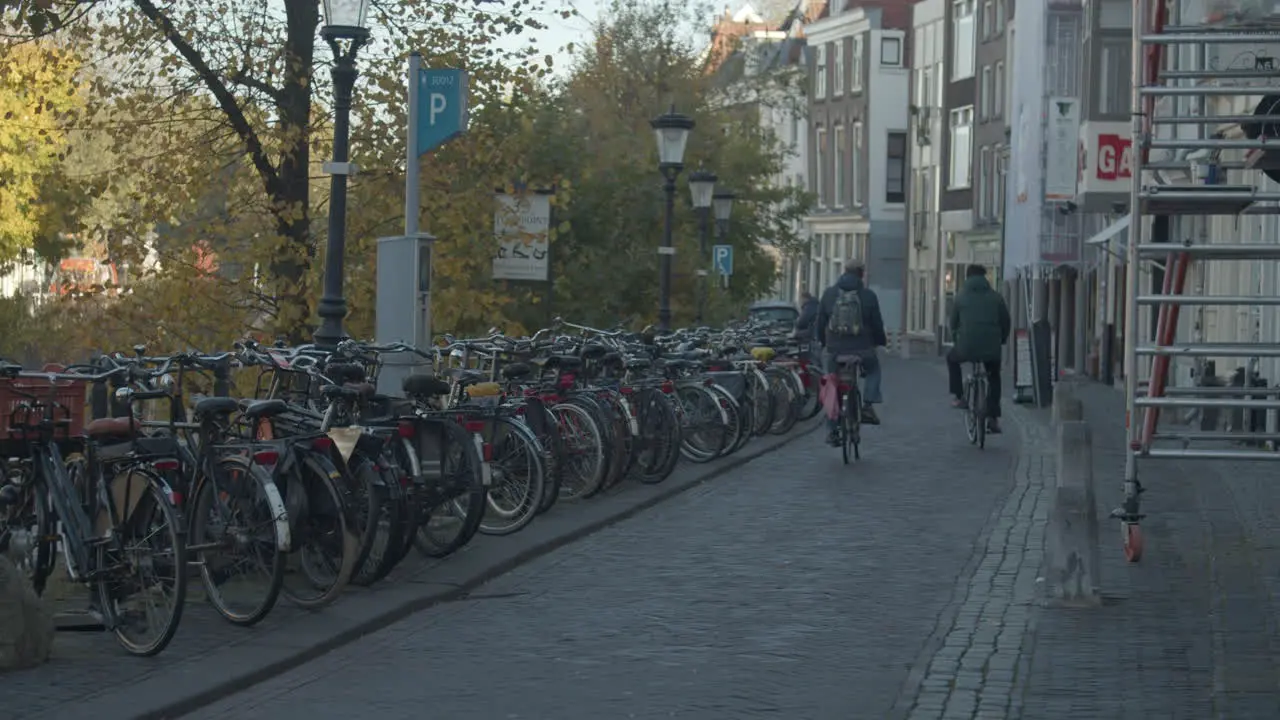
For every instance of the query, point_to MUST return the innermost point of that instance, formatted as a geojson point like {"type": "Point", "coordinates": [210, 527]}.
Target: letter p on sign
{"type": "Point", "coordinates": [438, 105]}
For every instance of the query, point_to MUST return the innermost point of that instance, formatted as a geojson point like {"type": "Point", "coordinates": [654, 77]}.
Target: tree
{"type": "Point", "coordinates": [37, 92]}
{"type": "Point", "coordinates": [252, 68]}
{"type": "Point", "coordinates": [594, 130]}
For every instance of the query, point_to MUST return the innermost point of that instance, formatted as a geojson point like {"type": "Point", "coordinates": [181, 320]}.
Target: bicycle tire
{"type": "Point", "coordinates": [514, 435]}
{"type": "Point", "coordinates": [155, 499]}
{"type": "Point", "coordinates": [389, 535]}
{"type": "Point", "coordinates": [970, 421]}
{"type": "Point", "coordinates": [590, 445]}
{"type": "Point", "coordinates": [809, 403]}
{"type": "Point", "coordinates": [980, 415]}
{"type": "Point", "coordinates": [784, 407]}
{"type": "Point", "coordinates": [41, 526]}
{"type": "Point", "coordinates": [539, 418]}
{"type": "Point", "coordinates": [735, 428]}
{"type": "Point", "coordinates": [660, 436]}
{"type": "Point", "coordinates": [206, 492]}
{"type": "Point", "coordinates": [460, 477]}
{"type": "Point", "coordinates": [320, 524]}
{"type": "Point", "coordinates": [368, 506]}
{"type": "Point", "coordinates": [761, 400]}
{"type": "Point", "coordinates": [703, 443]}
{"type": "Point", "coordinates": [622, 437]}
{"type": "Point", "coordinates": [855, 419]}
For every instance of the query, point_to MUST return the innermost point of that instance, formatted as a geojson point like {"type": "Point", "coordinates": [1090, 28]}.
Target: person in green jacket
{"type": "Point", "coordinates": [980, 325]}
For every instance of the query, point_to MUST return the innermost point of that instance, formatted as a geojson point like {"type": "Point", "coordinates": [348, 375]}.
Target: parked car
{"type": "Point", "coordinates": [778, 311]}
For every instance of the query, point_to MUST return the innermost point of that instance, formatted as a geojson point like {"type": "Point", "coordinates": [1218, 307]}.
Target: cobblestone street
{"type": "Point", "coordinates": [796, 588]}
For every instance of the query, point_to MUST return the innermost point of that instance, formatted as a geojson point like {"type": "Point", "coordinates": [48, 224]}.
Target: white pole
{"type": "Point", "coordinates": [411, 190]}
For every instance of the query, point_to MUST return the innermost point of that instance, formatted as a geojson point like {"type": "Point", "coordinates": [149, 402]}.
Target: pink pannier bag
{"type": "Point", "coordinates": [829, 396]}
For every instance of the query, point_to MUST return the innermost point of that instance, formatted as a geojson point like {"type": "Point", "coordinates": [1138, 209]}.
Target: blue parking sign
{"type": "Point", "coordinates": [722, 259]}
{"type": "Point", "coordinates": [442, 107]}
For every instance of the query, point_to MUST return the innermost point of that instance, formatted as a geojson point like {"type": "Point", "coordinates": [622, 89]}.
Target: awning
{"type": "Point", "coordinates": [1110, 231]}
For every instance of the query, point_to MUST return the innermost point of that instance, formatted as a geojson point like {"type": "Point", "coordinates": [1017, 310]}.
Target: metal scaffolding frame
{"type": "Point", "coordinates": [1158, 75]}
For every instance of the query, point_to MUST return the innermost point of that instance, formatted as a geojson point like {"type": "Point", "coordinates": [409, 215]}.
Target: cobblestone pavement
{"type": "Point", "coordinates": [1190, 632]}
{"type": "Point", "coordinates": [796, 588]}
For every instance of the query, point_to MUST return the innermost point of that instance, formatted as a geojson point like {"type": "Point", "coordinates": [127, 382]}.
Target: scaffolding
{"type": "Point", "coordinates": [1179, 84]}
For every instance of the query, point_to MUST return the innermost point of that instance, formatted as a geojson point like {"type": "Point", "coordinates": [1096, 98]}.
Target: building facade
{"type": "Point", "coordinates": [858, 159]}
{"type": "Point", "coordinates": [924, 285]}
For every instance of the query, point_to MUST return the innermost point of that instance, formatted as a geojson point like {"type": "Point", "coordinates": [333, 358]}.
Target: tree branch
{"type": "Point", "coordinates": [226, 101]}
{"type": "Point", "coordinates": [244, 79]}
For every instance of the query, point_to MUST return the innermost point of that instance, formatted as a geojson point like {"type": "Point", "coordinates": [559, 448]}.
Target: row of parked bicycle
{"type": "Point", "coordinates": [319, 481]}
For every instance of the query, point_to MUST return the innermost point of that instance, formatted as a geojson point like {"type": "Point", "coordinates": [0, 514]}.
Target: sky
{"type": "Point", "coordinates": [561, 31]}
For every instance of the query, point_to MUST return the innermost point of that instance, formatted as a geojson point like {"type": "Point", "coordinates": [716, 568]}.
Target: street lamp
{"type": "Point", "coordinates": [722, 206]}
{"type": "Point", "coordinates": [701, 186]}
{"type": "Point", "coordinates": [672, 133]}
{"type": "Point", "coordinates": [345, 31]}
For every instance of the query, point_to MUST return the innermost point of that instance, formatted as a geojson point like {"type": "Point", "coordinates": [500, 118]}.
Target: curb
{"type": "Point", "coordinates": [159, 698]}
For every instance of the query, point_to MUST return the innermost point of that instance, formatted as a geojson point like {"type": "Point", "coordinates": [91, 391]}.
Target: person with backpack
{"type": "Point", "coordinates": [980, 325]}
{"type": "Point", "coordinates": [849, 323]}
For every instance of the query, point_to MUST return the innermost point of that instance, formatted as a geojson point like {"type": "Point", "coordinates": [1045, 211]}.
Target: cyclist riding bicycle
{"type": "Point", "coordinates": [849, 323]}
{"type": "Point", "coordinates": [980, 325]}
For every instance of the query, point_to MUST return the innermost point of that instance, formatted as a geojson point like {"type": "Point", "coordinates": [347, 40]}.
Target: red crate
{"type": "Point", "coordinates": [70, 394]}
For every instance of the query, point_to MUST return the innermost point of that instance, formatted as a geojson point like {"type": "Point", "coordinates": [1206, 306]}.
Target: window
{"type": "Point", "coordinates": [855, 167]}
{"type": "Point", "coordinates": [1000, 16]}
{"type": "Point", "coordinates": [838, 68]}
{"type": "Point", "coordinates": [820, 72]}
{"type": "Point", "coordinates": [891, 52]}
{"type": "Point", "coordinates": [924, 87]}
{"type": "Point", "coordinates": [961, 148]}
{"type": "Point", "coordinates": [855, 65]}
{"type": "Point", "coordinates": [1114, 77]}
{"type": "Point", "coordinates": [985, 95]}
{"type": "Point", "coordinates": [895, 168]}
{"type": "Point", "coordinates": [997, 87]}
{"type": "Point", "coordinates": [984, 183]}
{"type": "Point", "coordinates": [842, 167]}
{"type": "Point", "coordinates": [1000, 186]}
{"type": "Point", "coordinates": [988, 20]}
{"type": "Point", "coordinates": [819, 179]}
{"type": "Point", "coordinates": [962, 45]}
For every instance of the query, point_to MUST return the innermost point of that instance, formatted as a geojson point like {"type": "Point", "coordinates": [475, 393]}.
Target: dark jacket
{"type": "Point", "coordinates": [872, 324]}
{"type": "Point", "coordinates": [804, 323]}
{"type": "Point", "coordinates": [980, 321]}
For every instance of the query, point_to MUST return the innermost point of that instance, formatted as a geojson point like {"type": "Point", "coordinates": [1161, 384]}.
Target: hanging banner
{"type": "Point", "coordinates": [1062, 140]}
{"type": "Point", "coordinates": [522, 224]}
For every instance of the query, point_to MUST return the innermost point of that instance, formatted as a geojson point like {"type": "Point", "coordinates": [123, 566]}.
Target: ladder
{"type": "Point", "coordinates": [1179, 84]}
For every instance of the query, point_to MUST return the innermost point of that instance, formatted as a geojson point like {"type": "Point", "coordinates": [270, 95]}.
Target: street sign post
{"type": "Point", "coordinates": [437, 114]}
{"type": "Point", "coordinates": [722, 261]}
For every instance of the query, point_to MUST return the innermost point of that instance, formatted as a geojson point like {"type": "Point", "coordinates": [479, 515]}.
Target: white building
{"type": "Point", "coordinates": [928, 66]}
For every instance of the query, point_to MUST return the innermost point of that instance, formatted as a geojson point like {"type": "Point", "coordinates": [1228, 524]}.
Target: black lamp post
{"type": "Point", "coordinates": [701, 186]}
{"type": "Point", "coordinates": [345, 32]}
{"type": "Point", "coordinates": [722, 206]}
{"type": "Point", "coordinates": [672, 133]}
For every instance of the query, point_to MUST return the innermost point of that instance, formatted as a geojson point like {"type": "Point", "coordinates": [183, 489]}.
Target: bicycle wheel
{"type": "Point", "coordinates": [735, 426]}
{"type": "Point", "coordinates": [388, 535]}
{"type": "Point", "coordinates": [451, 497]}
{"type": "Point", "coordinates": [980, 411]}
{"type": "Point", "coordinates": [784, 402]}
{"type": "Point", "coordinates": [235, 536]}
{"type": "Point", "coordinates": [853, 421]}
{"type": "Point", "coordinates": [367, 503]}
{"type": "Point", "coordinates": [808, 404]}
{"type": "Point", "coordinates": [704, 433]}
{"type": "Point", "coordinates": [621, 437]}
{"type": "Point", "coordinates": [970, 412]}
{"type": "Point", "coordinates": [322, 554]}
{"type": "Point", "coordinates": [518, 476]}
{"type": "Point", "coordinates": [584, 468]}
{"type": "Point", "coordinates": [761, 400]}
{"type": "Point", "coordinates": [659, 436]}
{"type": "Point", "coordinates": [539, 418]}
{"type": "Point", "coordinates": [149, 560]}
{"type": "Point", "coordinates": [28, 529]}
